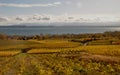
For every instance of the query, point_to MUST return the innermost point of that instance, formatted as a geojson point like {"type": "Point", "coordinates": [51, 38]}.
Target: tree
{"type": "Point", "coordinates": [3, 36]}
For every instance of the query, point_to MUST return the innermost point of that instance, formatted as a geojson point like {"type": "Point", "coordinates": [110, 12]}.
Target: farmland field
{"type": "Point", "coordinates": [59, 37]}
{"type": "Point", "coordinates": [58, 57]}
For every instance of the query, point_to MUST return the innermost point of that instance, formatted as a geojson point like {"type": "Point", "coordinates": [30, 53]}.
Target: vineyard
{"type": "Point", "coordinates": [58, 57]}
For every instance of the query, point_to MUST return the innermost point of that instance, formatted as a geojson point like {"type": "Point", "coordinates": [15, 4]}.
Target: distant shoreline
{"type": "Point", "coordinates": [23, 26]}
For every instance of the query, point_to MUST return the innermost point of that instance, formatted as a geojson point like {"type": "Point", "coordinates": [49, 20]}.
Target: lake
{"type": "Point", "coordinates": [36, 30]}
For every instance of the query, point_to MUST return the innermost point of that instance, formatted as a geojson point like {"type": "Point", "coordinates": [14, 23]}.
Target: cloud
{"type": "Point", "coordinates": [68, 2]}
{"type": "Point", "coordinates": [19, 18]}
{"type": "Point", "coordinates": [79, 4]}
{"type": "Point", "coordinates": [70, 17]}
{"type": "Point", "coordinates": [57, 3]}
{"type": "Point", "coordinates": [46, 18]}
{"type": "Point", "coordinates": [29, 5]}
{"type": "Point", "coordinates": [3, 19]}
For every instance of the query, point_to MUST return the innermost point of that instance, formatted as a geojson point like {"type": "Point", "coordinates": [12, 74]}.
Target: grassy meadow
{"type": "Point", "coordinates": [59, 57]}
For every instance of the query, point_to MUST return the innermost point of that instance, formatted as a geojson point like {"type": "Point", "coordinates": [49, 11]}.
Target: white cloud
{"type": "Point", "coordinates": [19, 18]}
{"type": "Point", "coordinates": [79, 4]}
{"type": "Point", "coordinates": [66, 18]}
{"type": "Point", "coordinates": [3, 19]}
{"type": "Point", "coordinates": [57, 3]}
{"type": "Point", "coordinates": [29, 5]}
{"type": "Point", "coordinates": [68, 2]}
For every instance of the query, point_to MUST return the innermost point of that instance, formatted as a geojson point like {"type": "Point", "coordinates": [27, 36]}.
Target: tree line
{"type": "Point", "coordinates": [93, 36]}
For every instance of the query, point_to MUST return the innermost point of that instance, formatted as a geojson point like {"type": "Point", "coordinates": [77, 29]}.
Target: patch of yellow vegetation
{"type": "Point", "coordinates": [101, 49]}
{"type": "Point", "coordinates": [9, 53]}
{"type": "Point", "coordinates": [44, 50]}
{"type": "Point", "coordinates": [56, 43]}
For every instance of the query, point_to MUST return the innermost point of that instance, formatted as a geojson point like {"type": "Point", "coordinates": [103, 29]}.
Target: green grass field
{"type": "Point", "coordinates": [58, 57]}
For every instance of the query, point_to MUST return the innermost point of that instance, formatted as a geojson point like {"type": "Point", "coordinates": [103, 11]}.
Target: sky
{"type": "Point", "coordinates": [47, 11]}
